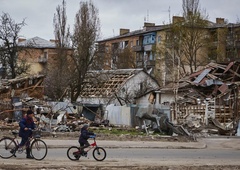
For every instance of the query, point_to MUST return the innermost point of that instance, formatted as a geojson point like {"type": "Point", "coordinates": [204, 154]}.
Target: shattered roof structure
{"type": "Point", "coordinates": [212, 90]}
{"type": "Point", "coordinates": [215, 80]}
{"type": "Point", "coordinates": [220, 75]}
{"type": "Point", "coordinates": [105, 83]}
{"type": "Point", "coordinates": [24, 84]}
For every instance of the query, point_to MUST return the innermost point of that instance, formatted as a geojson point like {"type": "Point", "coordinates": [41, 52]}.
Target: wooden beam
{"type": "Point", "coordinates": [33, 87]}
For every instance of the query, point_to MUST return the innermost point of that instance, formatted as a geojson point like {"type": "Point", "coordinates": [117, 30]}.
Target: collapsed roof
{"type": "Point", "coordinates": [105, 83]}
{"type": "Point", "coordinates": [214, 80]}
{"type": "Point", "coordinates": [31, 85]}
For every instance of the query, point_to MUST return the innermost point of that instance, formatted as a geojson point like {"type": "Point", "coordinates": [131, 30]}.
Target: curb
{"type": "Point", "coordinates": [179, 146]}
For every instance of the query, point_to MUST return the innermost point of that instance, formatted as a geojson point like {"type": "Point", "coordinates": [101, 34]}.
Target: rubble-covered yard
{"type": "Point", "coordinates": [207, 105]}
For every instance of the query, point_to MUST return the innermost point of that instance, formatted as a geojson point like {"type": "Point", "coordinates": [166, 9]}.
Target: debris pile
{"type": "Point", "coordinates": [210, 97]}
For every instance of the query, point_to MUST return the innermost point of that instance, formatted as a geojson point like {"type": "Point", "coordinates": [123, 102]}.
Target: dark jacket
{"type": "Point", "coordinates": [85, 134]}
{"type": "Point", "coordinates": [26, 122]}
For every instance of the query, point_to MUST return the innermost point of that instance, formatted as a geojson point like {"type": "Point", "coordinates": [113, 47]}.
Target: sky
{"type": "Point", "coordinates": [113, 14]}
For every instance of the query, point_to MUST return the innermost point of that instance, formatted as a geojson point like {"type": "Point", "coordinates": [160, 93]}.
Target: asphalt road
{"type": "Point", "coordinates": [133, 158]}
{"type": "Point", "coordinates": [208, 153]}
{"type": "Point", "coordinates": [223, 155]}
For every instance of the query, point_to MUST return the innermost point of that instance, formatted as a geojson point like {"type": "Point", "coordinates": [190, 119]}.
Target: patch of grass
{"type": "Point", "coordinates": [118, 131]}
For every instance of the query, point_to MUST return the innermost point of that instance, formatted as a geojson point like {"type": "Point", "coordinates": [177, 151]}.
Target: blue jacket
{"type": "Point", "coordinates": [84, 135]}
{"type": "Point", "coordinates": [26, 122]}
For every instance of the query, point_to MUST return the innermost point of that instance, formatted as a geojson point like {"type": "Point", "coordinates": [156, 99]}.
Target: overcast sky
{"type": "Point", "coordinates": [113, 14]}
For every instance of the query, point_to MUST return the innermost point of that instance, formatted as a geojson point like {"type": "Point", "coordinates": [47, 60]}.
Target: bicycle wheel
{"type": "Point", "coordinates": [7, 147]}
{"type": "Point", "coordinates": [73, 153]}
{"type": "Point", "coordinates": [39, 149]}
{"type": "Point", "coordinates": [99, 154]}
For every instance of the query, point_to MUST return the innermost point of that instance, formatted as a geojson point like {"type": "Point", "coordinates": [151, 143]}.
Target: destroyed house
{"type": "Point", "coordinates": [118, 87]}
{"type": "Point", "coordinates": [30, 85]}
{"type": "Point", "coordinates": [211, 93]}
{"type": "Point", "coordinates": [14, 91]}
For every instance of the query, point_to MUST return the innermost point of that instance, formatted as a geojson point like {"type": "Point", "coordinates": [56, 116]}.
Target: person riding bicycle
{"type": "Point", "coordinates": [26, 126]}
{"type": "Point", "coordinates": [83, 138]}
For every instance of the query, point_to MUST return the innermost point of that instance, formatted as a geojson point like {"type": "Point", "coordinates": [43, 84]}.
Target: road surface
{"type": "Point", "coordinates": [134, 158]}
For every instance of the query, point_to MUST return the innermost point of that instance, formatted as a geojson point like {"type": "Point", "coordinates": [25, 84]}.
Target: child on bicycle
{"type": "Point", "coordinates": [83, 138]}
{"type": "Point", "coordinates": [26, 126]}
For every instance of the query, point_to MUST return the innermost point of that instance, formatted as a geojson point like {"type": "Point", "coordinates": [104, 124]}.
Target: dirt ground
{"type": "Point", "coordinates": [111, 164]}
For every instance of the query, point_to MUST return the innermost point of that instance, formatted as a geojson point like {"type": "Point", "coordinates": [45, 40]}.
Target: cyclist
{"type": "Point", "coordinates": [26, 126]}
{"type": "Point", "coordinates": [83, 138]}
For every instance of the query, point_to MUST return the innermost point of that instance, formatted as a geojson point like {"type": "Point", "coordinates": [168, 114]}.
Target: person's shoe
{"type": "Point", "coordinates": [84, 154]}
{"type": "Point", "coordinates": [29, 157]}
{"type": "Point", "coordinates": [77, 157]}
{"type": "Point", "coordinates": [13, 151]}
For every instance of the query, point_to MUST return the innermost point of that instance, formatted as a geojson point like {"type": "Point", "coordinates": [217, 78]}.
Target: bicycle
{"type": "Point", "coordinates": [99, 153]}
{"type": "Point", "coordinates": [38, 147]}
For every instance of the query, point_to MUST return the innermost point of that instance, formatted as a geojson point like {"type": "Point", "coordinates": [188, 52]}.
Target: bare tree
{"type": "Point", "coordinates": [9, 34]}
{"type": "Point", "coordinates": [124, 59]}
{"type": "Point", "coordinates": [187, 37]}
{"type": "Point", "coordinates": [101, 59]}
{"type": "Point", "coordinates": [57, 81]}
{"type": "Point", "coordinates": [86, 32]}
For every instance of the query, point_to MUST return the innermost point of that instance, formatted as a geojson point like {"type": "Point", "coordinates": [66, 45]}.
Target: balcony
{"type": "Point", "coordinates": [140, 64]}
{"type": "Point", "coordinates": [148, 47]}
{"type": "Point", "coordinates": [150, 63]}
{"type": "Point", "coordinates": [137, 48]}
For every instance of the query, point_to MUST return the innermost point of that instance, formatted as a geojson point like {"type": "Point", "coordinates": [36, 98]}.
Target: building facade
{"type": "Point", "coordinates": [39, 53]}
{"type": "Point", "coordinates": [151, 47]}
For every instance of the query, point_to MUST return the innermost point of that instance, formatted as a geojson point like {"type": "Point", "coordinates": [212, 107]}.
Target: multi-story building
{"type": "Point", "coordinates": [39, 53]}
{"type": "Point", "coordinates": [141, 42]}
{"type": "Point", "coordinates": [225, 40]}
{"type": "Point", "coordinates": [150, 48]}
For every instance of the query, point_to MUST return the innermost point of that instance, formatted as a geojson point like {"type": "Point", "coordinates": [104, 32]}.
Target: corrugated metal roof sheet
{"type": "Point", "coordinates": [202, 75]}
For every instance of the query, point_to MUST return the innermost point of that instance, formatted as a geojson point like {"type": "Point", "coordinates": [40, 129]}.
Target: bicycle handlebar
{"type": "Point", "coordinates": [30, 129]}
{"type": "Point", "coordinates": [92, 136]}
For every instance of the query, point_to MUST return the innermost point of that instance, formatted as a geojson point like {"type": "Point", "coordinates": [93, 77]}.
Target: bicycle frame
{"type": "Point", "coordinates": [92, 145]}
{"type": "Point", "coordinates": [22, 148]}
{"type": "Point", "coordinates": [15, 139]}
